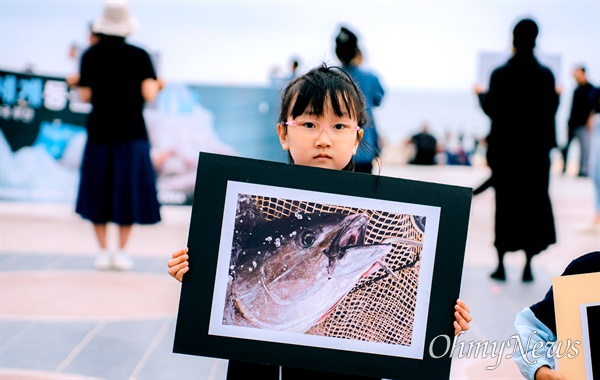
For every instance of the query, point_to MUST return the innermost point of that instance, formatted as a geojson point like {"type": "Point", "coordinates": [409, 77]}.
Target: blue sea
{"type": "Point", "coordinates": [446, 112]}
{"type": "Point", "coordinates": [245, 117]}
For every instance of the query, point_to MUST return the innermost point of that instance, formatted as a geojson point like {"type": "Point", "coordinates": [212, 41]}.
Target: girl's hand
{"type": "Point", "coordinates": [462, 317]}
{"type": "Point", "coordinates": [178, 265]}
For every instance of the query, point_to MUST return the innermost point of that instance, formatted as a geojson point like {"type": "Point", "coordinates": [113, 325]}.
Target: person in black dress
{"type": "Point", "coordinates": [118, 182]}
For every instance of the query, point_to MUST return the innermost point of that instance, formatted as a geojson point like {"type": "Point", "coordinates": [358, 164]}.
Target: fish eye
{"type": "Point", "coordinates": [307, 238]}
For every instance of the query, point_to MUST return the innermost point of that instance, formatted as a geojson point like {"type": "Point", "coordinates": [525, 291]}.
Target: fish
{"type": "Point", "coordinates": [289, 274]}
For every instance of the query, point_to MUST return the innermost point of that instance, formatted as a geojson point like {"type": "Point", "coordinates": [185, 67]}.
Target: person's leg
{"type": "Point", "coordinates": [595, 166]}
{"type": "Point", "coordinates": [584, 136]}
{"type": "Point", "coordinates": [565, 150]}
{"type": "Point", "coordinates": [499, 273]}
{"type": "Point", "coordinates": [124, 232]}
{"type": "Point", "coordinates": [596, 220]}
{"type": "Point", "coordinates": [100, 230]}
{"type": "Point", "coordinates": [103, 259]}
{"type": "Point", "coordinates": [122, 261]}
{"type": "Point", "coordinates": [527, 274]}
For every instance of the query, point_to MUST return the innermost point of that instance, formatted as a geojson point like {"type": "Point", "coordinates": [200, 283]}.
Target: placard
{"type": "Point", "coordinates": [322, 269]}
{"type": "Point", "coordinates": [570, 292]}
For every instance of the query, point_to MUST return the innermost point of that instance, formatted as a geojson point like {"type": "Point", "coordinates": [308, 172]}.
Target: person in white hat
{"type": "Point", "coordinates": [118, 182]}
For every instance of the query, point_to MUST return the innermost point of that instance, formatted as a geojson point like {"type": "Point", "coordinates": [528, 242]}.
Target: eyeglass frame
{"type": "Point", "coordinates": [294, 123]}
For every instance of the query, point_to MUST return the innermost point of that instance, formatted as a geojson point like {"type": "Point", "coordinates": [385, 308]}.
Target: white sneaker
{"type": "Point", "coordinates": [103, 261]}
{"type": "Point", "coordinates": [122, 261]}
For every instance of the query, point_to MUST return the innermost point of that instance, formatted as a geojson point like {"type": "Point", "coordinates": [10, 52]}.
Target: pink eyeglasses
{"type": "Point", "coordinates": [338, 129]}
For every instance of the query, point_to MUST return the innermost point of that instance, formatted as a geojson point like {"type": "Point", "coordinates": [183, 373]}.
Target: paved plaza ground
{"type": "Point", "coordinates": [62, 319]}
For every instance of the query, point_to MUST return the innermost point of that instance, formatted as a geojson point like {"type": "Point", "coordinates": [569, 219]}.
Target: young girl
{"type": "Point", "coordinates": [322, 113]}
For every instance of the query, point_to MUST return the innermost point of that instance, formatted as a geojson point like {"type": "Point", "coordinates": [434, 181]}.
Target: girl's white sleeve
{"type": "Point", "coordinates": [531, 331]}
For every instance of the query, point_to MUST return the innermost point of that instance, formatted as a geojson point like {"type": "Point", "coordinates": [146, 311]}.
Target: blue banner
{"type": "Point", "coordinates": [42, 121]}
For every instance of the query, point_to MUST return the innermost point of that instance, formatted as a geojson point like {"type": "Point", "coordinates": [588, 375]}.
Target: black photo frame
{"type": "Point", "coordinates": [374, 329]}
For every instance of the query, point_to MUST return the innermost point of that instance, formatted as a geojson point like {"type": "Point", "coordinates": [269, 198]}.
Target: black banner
{"type": "Point", "coordinates": [28, 102]}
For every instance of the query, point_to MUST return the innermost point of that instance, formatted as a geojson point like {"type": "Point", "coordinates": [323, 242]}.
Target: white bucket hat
{"type": "Point", "coordinates": [115, 20]}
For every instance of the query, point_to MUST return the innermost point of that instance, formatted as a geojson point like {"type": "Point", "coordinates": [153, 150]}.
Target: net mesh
{"type": "Point", "coordinates": [380, 307]}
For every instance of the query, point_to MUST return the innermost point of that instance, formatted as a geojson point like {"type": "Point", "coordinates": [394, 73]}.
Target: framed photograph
{"type": "Point", "coordinates": [322, 269]}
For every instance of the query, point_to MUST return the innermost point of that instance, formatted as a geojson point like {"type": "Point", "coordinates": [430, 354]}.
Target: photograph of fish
{"type": "Point", "coordinates": [324, 270]}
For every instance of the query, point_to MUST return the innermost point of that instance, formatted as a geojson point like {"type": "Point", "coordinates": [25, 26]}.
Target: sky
{"type": "Point", "coordinates": [409, 44]}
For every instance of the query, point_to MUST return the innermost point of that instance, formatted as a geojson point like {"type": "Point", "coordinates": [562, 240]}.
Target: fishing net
{"type": "Point", "coordinates": [380, 307]}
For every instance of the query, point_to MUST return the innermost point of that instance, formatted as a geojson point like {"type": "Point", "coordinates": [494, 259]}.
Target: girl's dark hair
{"type": "Point", "coordinates": [309, 93]}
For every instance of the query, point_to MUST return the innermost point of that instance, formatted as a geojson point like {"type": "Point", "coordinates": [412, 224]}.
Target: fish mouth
{"type": "Point", "coordinates": [353, 234]}
{"type": "Point", "coordinates": [349, 241]}
{"type": "Point", "coordinates": [346, 233]}
{"type": "Point", "coordinates": [372, 269]}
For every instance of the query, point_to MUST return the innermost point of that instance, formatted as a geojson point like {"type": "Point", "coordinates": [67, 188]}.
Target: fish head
{"type": "Point", "coordinates": [291, 263]}
{"type": "Point", "coordinates": [289, 257]}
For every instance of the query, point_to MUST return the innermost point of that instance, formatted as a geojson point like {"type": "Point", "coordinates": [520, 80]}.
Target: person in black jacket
{"type": "Point", "coordinates": [521, 102]}
{"type": "Point", "coordinates": [581, 107]}
{"type": "Point", "coordinates": [425, 146]}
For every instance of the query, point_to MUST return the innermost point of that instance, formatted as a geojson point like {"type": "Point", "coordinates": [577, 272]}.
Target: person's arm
{"type": "Point", "coordinates": [85, 93]}
{"type": "Point", "coordinates": [73, 80]}
{"type": "Point", "coordinates": [589, 123]}
{"type": "Point", "coordinates": [178, 265]}
{"type": "Point", "coordinates": [150, 88]}
{"type": "Point", "coordinates": [480, 91]}
{"type": "Point", "coordinates": [378, 92]}
{"type": "Point", "coordinates": [86, 77]}
{"type": "Point", "coordinates": [489, 98]}
{"type": "Point", "coordinates": [531, 332]}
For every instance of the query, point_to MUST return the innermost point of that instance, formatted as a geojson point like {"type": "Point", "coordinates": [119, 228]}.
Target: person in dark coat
{"type": "Point", "coordinates": [521, 102]}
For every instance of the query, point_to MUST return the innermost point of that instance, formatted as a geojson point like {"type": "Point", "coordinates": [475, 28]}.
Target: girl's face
{"type": "Point", "coordinates": [323, 148]}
